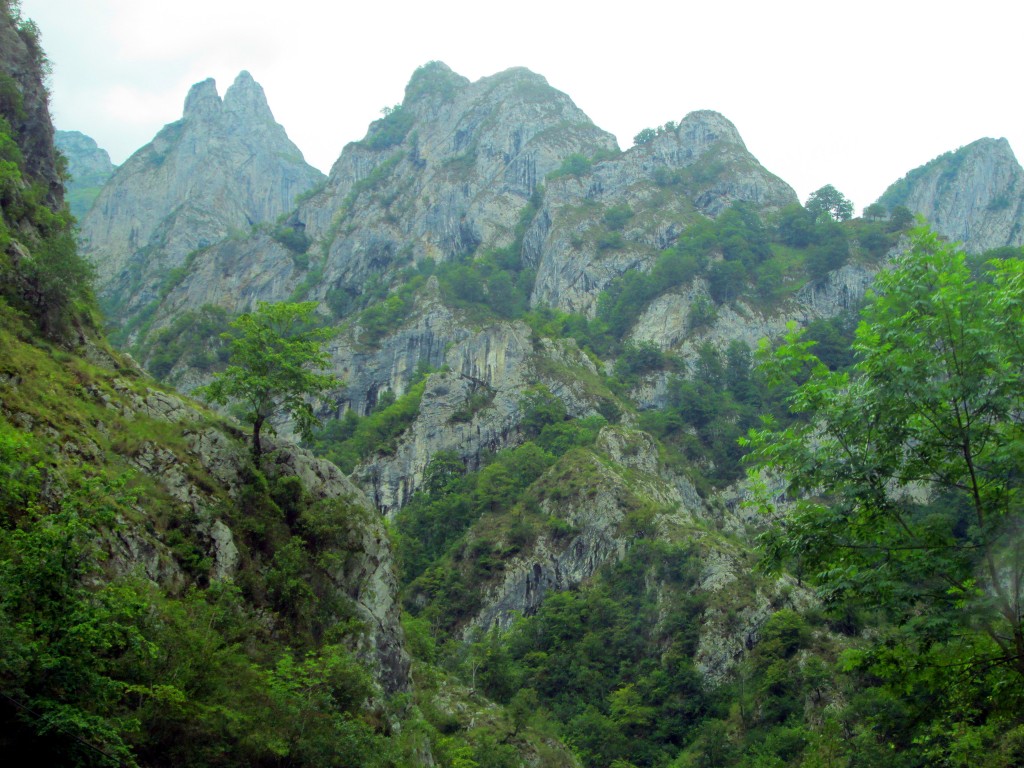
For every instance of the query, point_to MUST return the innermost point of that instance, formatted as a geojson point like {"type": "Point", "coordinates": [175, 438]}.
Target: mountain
{"type": "Point", "coordinates": [160, 596]}
{"type": "Point", "coordinates": [222, 169]}
{"type": "Point", "coordinates": [974, 195]}
{"type": "Point", "coordinates": [451, 172]}
{"type": "Point", "coordinates": [89, 168]}
{"type": "Point", "coordinates": [506, 167]}
{"type": "Point", "coordinates": [528, 537]}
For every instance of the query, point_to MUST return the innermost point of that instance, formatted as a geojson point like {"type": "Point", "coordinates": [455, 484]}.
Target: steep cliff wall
{"type": "Point", "coordinates": [696, 169]}
{"type": "Point", "coordinates": [225, 167]}
{"type": "Point", "coordinates": [974, 195]}
{"type": "Point", "coordinates": [462, 169]}
{"type": "Point", "coordinates": [89, 167]}
{"type": "Point", "coordinates": [24, 103]}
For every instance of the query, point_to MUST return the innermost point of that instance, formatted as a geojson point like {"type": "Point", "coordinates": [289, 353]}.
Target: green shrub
{"type": "Point", "coordinates": [574, 165]}
{"type": "Point", "coordinates": [293, 239]}
{"type": "Point", "coordinates": [391, 129]}
{"type": "Point", "coordinates": [616, 217]}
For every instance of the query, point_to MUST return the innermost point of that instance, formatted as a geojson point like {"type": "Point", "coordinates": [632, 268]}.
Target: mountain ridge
{"type": "Point", "coordinates": [224, 167]}
{"type": "Point", "coordinates": [548, 352]}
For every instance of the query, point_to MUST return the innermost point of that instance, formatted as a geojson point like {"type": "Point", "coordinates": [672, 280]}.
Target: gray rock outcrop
{"type": "Point", "coordinates": [666, 321]}
{"type": "Point", "coordinates": [89, 166]}
{"type": "Point", "coordinates": [225, 167]}
{"type": "Point", "coordinates": [695, 169]}
{"type": "Point", "coordinates": [622, 472]}
{"type": "Point", "coordinates": [456, 170]}
{"type": "Point", "coordinates": [443, 175]}
{"type": "Point", "coordinates": [974, 195]}
{"type": "Point", "coordinates": [211, 453]}
{"type": "Point", "coordinates": [24, 103]}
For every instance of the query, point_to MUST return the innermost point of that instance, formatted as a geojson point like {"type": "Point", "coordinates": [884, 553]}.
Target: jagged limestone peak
{"type": "Point", "coordinates": [706, 126]}
{"type": "Point", "coordinates": [89, 165]}
{"type": "Point", "coordinates": [974, 195]}
{"type": "Point", "coordinates": [245, 97]}
{"type": "Point", "coordinates": [202, 100]}
{"type": "Point", "coordinates": [433, 81]}
{"type": "Point", "coordinates": [223, 168]}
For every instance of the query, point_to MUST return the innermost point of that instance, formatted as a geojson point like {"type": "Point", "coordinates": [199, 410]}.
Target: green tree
{"type": "Point", "coordinates": [275, 352]}
{"type": "Point", "coordinates": [900, 217]}
{"type": "Point", "coordinates": [829, 201]}
{"type": "Point", "coordinates": [574, 165]}
{"type": "Point", "coordinates": [875, 212]}
{"type": "Point", "coordinates": [905, 478]}
{"type": "Point", "coordinates": [795, 226]}
{"type": "Point", "coordinates": [645, 136]}
{"type": "Point", "coordinates": [69, 640]}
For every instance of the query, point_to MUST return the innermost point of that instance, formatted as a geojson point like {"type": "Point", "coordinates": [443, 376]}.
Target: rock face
{"type": "Point", "coordinates": [463, 168]}
{"type": "Point", "coordinates": [205, 473]}
{"type": "Point", "coordinates": [24, 102]}
{"type": "Point", "coordinates": [698, 168]}
{"type": "Point", "coordinates": [459, 169]}
{"type": "Point", "coordinates": [447, 172]}
{"type": "Point", "coordinates": [225, 167]}
{"type": "Point", "coordinates": [443, 175]}
{"type": "Point", "coordinates": [89, 166]}
{"type": "Point", "coordinates": [974, 195]}
{"type": "Point", "coordinates": [665, 322]}
{"type": "Point", "coordinates": [593, 514]}
{"type": "Point", "coordinates": [497, 359]}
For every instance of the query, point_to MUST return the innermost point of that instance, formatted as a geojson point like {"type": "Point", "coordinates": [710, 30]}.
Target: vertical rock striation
{"type": "Point", "coordinates": [89, 166]}
{"type": "Point", "coordinates": [974, 195]}
{"type": "Point", "coordinates": [223, 168]}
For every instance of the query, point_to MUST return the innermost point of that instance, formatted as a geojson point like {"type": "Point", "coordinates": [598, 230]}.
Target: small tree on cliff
{"type": "Point", "coordinates": [829, 201]}
{"type": "Point", "coordinates": [276, 352]}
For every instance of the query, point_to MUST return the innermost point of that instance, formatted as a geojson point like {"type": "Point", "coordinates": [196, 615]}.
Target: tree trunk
{"type": "Point", "coordinates": [257, 448]}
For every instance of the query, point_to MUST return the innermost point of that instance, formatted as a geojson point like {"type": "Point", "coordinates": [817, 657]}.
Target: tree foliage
{"type": "Point", "coordinates": [905, 482]}
{"type": "Point", "coordinates": [274, 352]}
{"type": "Point", "coordinates": [41, 272]}
{"type": "Point", "coordinates": [829, 201]}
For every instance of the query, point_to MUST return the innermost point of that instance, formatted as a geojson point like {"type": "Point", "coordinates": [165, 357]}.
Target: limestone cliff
{"type": "Point", "coordinates": [695, 169]}
{"type": "Point", "coordinates": [190, 524]}
{"type": "Point", "coordinates": [24, 103]}
{"type": "Point", "coordinates": [666, 322]}
{"type": "Point", "coordinates": [225, 167]}
{"type": "Point", "coordinates": [89, 168]}
{"type": "Point", "coordinates": [444, 174]}
{"type": "Point", "coordinates": [974, 195]}
{"type": "Point", "coordinates": [461, 169]}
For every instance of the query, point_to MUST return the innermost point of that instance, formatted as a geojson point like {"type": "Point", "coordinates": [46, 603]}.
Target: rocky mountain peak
{"type": "Point", "coordinates": [434, 81]}
{"type": "Point", "coordinates": [974, 195]}
{"type": "Point", "coordinates": [246, 97]}
{"type": "Point", "coordinates": [704, 127]}
{"type": "Point", "coordinates": [89, 166]}
{"type": "Point", "coordinates": [225, 167]}
{"type": "Point", "coordinates": [446, 173]}
{"type": "Point", "coordinates": [461, 169]}
{"type": "Point", "coordinates": [202, 100]}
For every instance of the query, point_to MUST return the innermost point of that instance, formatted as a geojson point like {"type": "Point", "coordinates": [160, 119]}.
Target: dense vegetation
{"type": "Point", "coordinates": [894, 665]}
{"type": "Point", "coordinates": [350, 439]}
{"type": "Point", "coordinates": [46, 278]}
{"type": "Point", "coordinates": [874, 621]}
{"type": "Point", "coordinates": [907, 501]}
{"type": "Point", "coordinates": [99, 666]}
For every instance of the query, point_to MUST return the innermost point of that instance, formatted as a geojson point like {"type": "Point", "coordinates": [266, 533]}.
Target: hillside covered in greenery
{"type": "Point", "coordinates": [531, 452]}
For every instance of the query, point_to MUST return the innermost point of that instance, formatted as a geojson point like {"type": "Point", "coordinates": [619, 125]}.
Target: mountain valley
{"type": "Point", "coordinates": [554, 511]}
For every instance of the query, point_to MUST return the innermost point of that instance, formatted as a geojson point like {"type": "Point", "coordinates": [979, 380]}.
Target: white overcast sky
{"type": "Point", "coordinates": [849, 94]}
